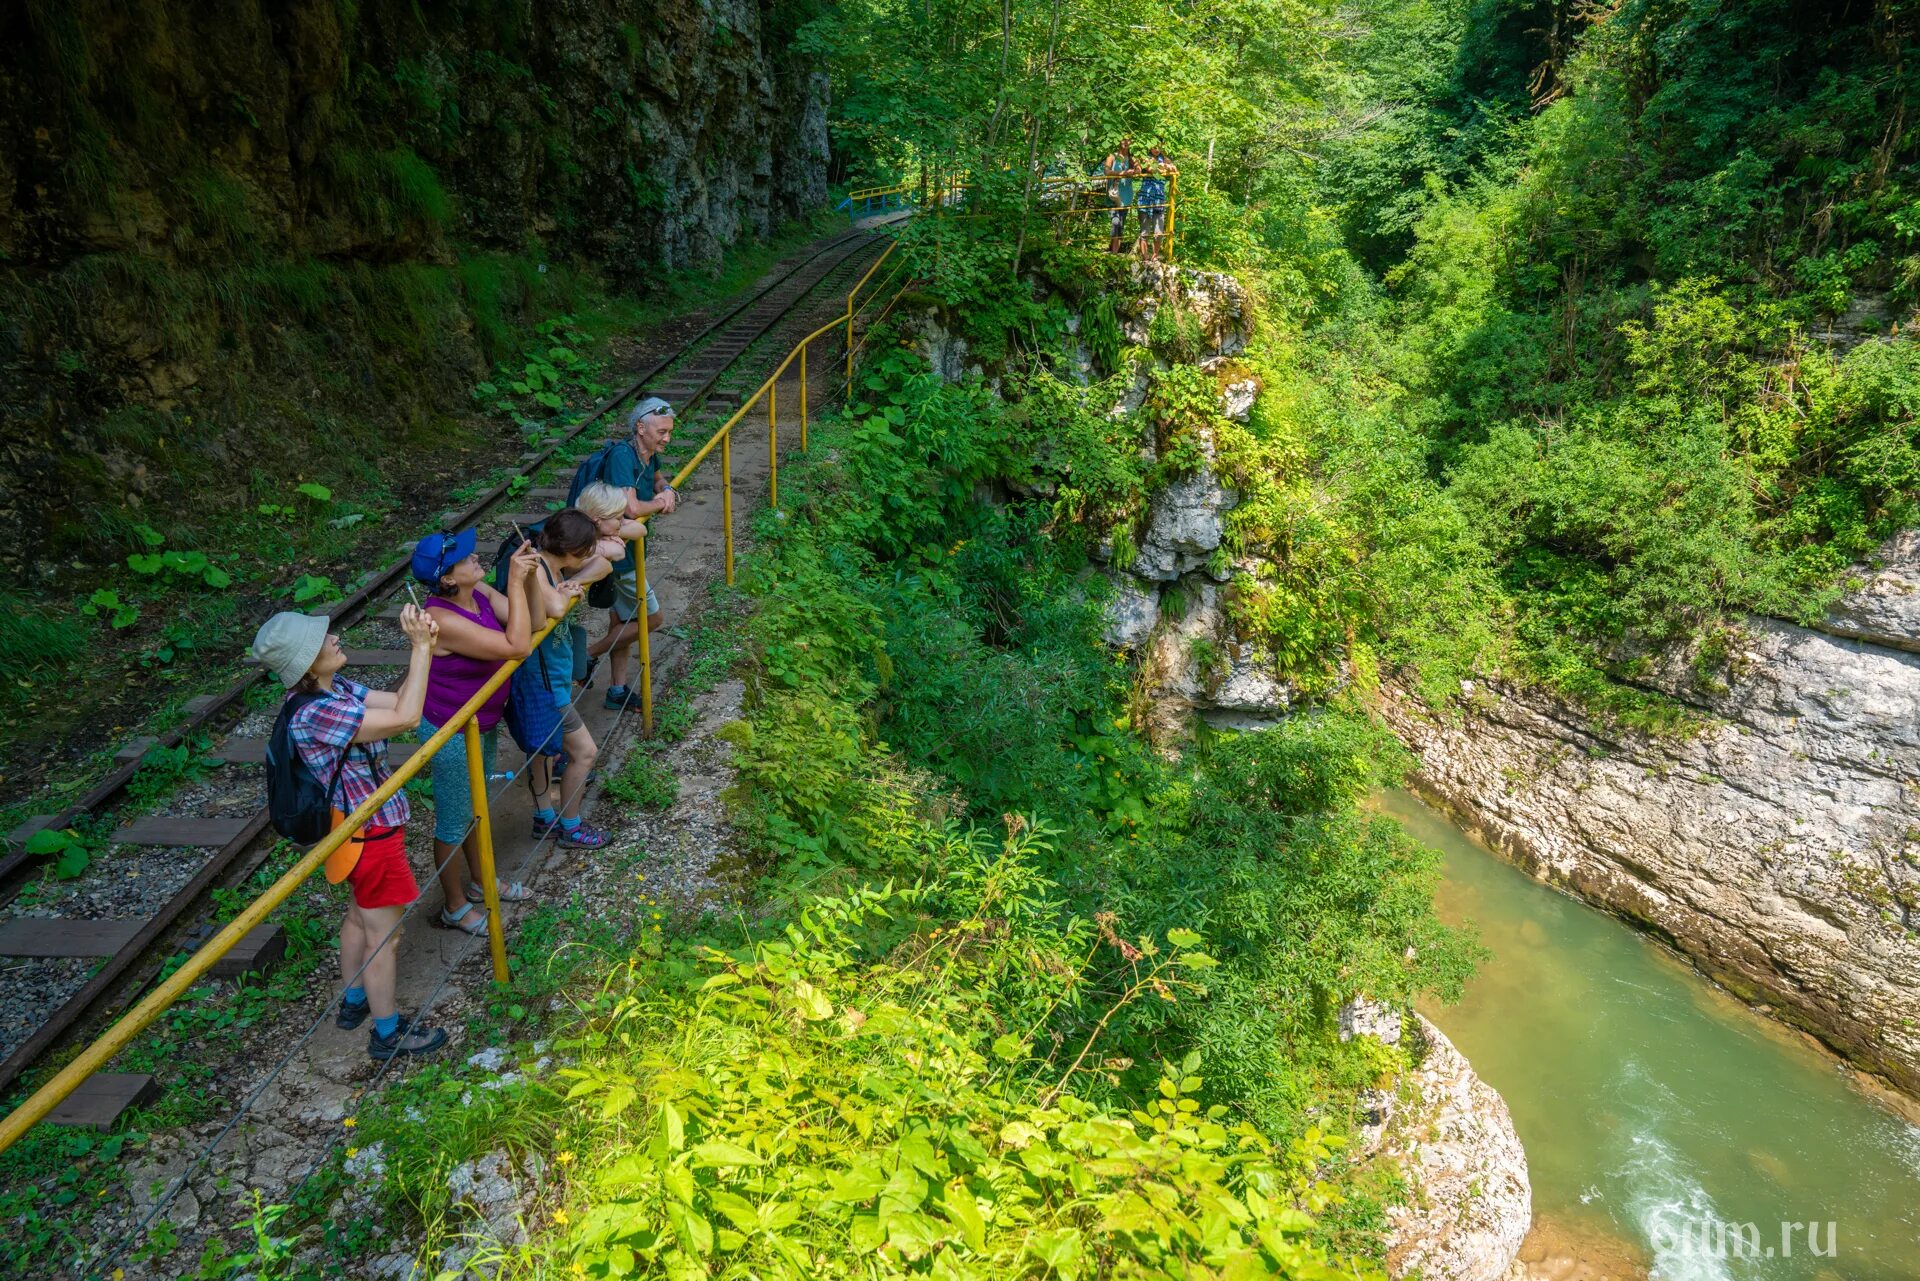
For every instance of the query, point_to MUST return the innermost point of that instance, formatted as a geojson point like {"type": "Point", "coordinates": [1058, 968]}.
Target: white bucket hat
{"type": "Point", "coordinates": [287, 644]}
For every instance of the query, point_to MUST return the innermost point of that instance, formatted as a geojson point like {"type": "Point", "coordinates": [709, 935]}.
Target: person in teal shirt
{"type": "Point", "coordinates": [1153, 203]}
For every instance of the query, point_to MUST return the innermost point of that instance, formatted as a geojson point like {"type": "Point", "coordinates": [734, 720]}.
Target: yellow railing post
{"type": "Point", "coordinates": [483, 834]}
{"type": "Point", "coordinates": [803, 397]}
{"type": "Point", "coordinates": [639, 546]}
{"type": "Point", "coordinates": [850, 340]}
{"type": "Point", "coordinates": [1173, 192]}
{"type": "Point", "coordinates": [773, 444]}
{"type": "Point", "coordinates": [726, 498]}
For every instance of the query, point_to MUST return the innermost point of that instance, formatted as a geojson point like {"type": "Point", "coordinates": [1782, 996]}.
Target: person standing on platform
{"type": "Point", "coordinates": [1153, 203]}
{"type": "Point", "coordinates": [480, 630]}
{"type": "Point", "coordinates": [633, 467]}
{"type": "Point", "coordinates": [339, 729]}
{"type": "Point", "coordinates": [1120, 170]}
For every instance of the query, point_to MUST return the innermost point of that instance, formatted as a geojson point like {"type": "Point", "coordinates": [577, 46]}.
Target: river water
{"type": "Point", "coordinates": [1660, 1116]}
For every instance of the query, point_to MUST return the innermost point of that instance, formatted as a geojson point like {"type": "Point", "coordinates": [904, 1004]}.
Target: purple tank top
{"type": "Point", "coordinates": [455, 678]}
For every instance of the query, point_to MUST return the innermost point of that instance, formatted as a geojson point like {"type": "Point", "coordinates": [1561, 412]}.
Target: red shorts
{"type": "Point", "coordinates": [382, 877]}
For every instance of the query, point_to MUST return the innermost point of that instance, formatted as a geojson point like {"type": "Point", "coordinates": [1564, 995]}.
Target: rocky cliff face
{"type": "Point", "coordinates": [1779, 848]}
{"type": "Point", "coordinates": [216, 216]}
{"type": "Point", "coordinates": [1170, 597]}
{"type": "Point", "coordinates": [1453, 1138]}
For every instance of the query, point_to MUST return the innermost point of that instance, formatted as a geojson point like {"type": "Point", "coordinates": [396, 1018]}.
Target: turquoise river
{"type": "Point", "coordinates": [1670, 1131]}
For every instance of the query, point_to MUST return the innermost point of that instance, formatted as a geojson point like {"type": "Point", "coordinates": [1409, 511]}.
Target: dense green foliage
{"type": "Point", "coordinates": [923, 657]}
{"type": "Point", "coordinates": [1551, 295]}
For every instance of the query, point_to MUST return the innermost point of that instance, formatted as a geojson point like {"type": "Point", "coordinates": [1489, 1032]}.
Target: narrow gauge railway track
{"type": "Point", "coordinates": [690, 377]}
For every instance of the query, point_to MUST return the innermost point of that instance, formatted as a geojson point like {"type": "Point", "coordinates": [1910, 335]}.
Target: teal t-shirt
{"type": "Point", "coordinates": [626, 471]}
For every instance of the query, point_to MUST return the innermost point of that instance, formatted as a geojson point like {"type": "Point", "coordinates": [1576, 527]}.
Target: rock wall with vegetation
{"type": "Point", "coordinates": [1584, 341]}
{"type": "Point", "coordinates": [1773, 842]}
{"type": "Point", "coordinates": [247, 244]}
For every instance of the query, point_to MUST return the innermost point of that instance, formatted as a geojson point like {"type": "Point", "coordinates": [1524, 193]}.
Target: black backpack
{"type": "Point", "coordinates": [298, 806]}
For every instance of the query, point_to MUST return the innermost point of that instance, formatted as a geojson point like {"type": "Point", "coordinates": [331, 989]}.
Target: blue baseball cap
{"type": "Point", "coordinates": [435, 554]}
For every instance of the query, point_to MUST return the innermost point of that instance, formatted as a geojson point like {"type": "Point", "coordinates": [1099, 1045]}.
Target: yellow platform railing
{"type": "Point", "coordinates": [156, 1002]}
{"type": "Point", "coordinates": [170, 989]}
{"type": "Point", "coordinates": [722, 438]}
{"type": "Point", "coordinates": [1085, 199]}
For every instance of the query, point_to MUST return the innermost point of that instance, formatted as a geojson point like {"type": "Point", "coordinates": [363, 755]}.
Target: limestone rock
{"type": "Point", "coordinates": [1236, 399]}
{"type": "Point", "coordinates": [1216, 299]}
{"type": "Point", "coordinates": [1237, 394]}
{"type": "Point", "coordinates": [492, 1059]}
{"type": "Point", "coordinates": [1132, 612]}
{"type": "Point", "coordinates": [1456, 1142]}
{"type": "Point", "coordinates": [1885, 608]}
{"type": "Point", "coordinates": [947, 353]}
{"type": "Point", "coordinates": [1191, 663]}
{"type": "Point", "coordinates": [486, 1189]}
{"type": "Point", "coordinates": [1135, 395]}
{"type": "Point", "coordinates": [1364, 1017]}
{"type": "Point", "coordinates": [1776, 848]}
{"type": "Point", "coordinates": [1186, 521]}
{"type": "Point", "coordinates": [1249, 686]}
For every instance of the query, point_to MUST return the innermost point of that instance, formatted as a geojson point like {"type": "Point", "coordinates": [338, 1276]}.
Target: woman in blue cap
{"type": "Point", "coordinates": [480, 629]}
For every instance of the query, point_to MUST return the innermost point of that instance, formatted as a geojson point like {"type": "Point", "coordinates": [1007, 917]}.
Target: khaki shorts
{"type": "Point", "coordinates": [626, 597]}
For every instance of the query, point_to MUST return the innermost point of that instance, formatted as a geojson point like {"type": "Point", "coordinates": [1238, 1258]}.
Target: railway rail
{"type": "Point", "coordinates": [693, 377]}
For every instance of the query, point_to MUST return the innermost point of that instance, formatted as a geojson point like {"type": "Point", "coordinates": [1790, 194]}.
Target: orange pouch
{"type": "Point", "coordinates": [342, 861]}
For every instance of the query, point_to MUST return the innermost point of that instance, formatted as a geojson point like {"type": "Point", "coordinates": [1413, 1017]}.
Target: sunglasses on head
{"type": "Point", "coordinates": [440, 566]}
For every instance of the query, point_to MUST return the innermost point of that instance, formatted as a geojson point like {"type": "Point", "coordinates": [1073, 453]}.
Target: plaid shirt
{"type": "Point", "coordinates": [323, 729]}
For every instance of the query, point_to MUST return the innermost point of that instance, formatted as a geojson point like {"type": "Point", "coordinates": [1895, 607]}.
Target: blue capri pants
{"type": "Point", "coordinates": [452, 800]}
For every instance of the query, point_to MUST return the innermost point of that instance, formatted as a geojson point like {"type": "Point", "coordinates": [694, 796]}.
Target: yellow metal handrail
{"type": "Point", "coordinates": [134, 1021]}
{"type": "Point", "coordinates": [1089, 186]}
{"type": "Point", "coordinates": [723, 437]}
{"type": "Point", "coordinates": [170, 989]}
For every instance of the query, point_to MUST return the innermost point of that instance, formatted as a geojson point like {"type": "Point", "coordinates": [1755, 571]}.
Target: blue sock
{"type": "Point", "coordinates": [568, 824]}
{"type": "Point", "coordinates": [543, 815]}
{"type": "Point", "coordinates": [386, 1027]}
{"type": "Point", "coordinates": [356, 996]}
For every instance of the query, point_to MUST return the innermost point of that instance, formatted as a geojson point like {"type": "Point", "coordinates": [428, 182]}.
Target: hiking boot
{"type": "Point", "coordinates": [352, 1014]}
{"type": "Point", "coordinates": [583, 837]}
{"type": "Point", "coordinates": [406, 1039]}
{"type": "Point", "coordinates": [616, 700]}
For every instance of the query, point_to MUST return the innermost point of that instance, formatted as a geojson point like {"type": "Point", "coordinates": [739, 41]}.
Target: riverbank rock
{"type": "Point", "coordinates": [1456, 1142]}
{"type": "Point", "coordinates": [1779, 847]}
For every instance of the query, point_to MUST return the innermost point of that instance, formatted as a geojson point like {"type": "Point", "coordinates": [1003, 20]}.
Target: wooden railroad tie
{"type": "Point", "coordinates": [260, 949]}
{"type": "Point", "coordinates": [170, 832]}
{"type": "Point", "coordinates": [20, 835]}
{"type": "Point", "coordinates": [99, 1101]}
{"type": "Point", "coordinates": [135, 751]}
